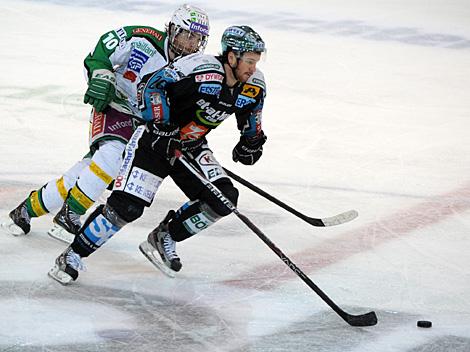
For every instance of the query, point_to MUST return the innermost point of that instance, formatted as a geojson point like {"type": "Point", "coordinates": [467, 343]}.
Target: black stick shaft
{"type": "Point", "coordinates": [310, 220]}
{"type": "Point", "coordinates": [354, 320]}
{"type": "Point", "coordinates": [291, 265]}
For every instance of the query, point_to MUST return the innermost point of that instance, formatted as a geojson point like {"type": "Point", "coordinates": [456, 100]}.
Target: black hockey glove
{"type": "Point", "coordinates": [249, 149]}
{"type": "Point", "coordinates": [165, 139]}
{"type": "Point", "coordinates": [192, 145]}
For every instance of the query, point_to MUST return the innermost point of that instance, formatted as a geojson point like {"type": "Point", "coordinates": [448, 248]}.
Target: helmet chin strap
{"type": "Point", "coordinates": [233, 68]}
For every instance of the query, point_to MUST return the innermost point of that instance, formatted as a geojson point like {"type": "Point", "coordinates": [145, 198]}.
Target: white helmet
{"type": "Point", "coordinates": [191, 22]}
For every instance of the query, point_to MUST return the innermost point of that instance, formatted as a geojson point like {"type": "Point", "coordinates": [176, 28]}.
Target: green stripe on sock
{"type": "Point", "coordinates": [75, 206]}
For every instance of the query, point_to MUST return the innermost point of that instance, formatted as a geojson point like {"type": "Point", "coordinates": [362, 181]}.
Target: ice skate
{"type": "Point", "coordinates": [66, 267]}
{"type": "Point", "coordinates": [68, 220]}
{"type": "Point", "coordinates": [160, 249]}
{"type": "Point", "coordinates": [19, 222]}
{"type": "Point", "coordinates": [59, 233]}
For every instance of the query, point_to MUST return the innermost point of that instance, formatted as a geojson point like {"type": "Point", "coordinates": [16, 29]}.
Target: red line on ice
{"type": "Point", "coordinates": [349, 243]}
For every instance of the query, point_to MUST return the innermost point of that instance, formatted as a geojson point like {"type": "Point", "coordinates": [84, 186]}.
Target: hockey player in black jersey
{"type": "Point", "coordinates": [184, 102]}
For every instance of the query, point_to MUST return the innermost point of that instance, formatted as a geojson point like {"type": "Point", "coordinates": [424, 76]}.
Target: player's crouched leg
{"type": "Point", "coordinates": [99, 227]}
{"type": "Point", "coordinates": [187, 221]}
{"type": "Point", "coordinates": [195, 216]}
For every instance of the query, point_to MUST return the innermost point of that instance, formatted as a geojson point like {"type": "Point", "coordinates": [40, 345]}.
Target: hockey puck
{"type": "Point", "coordinates": [424, 324]}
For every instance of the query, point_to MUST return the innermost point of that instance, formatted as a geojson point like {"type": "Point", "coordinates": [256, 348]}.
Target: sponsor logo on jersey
{"type": "Point", "coordinates": [206, 67]}
{"type": "Point", "coordinates": [171, 73]}
{"type": "Point", "coordinates": [130, 75]}
{"type": "Point", "coordinates": [98, 122]}
{"type": "Point", "coordinates": [142, 184]}
{"type": "Point", "coordinates": [156, 106]}
{"type": "Point", "coordinates": [208, 115]}
{"type": "Point", "coordinates": [204, 77]}
{"type": "Point", "coordinates": [207, 159]}
{"type": "Point", "coordinates": [137, 60]}
{"type": "Point", "coordinates": [148, 31]}
{"type": "Point", "coordinates": [144, 47]}
{"type": "Point", "coordinates": [225, 104]}
{"type": "Point", "coordinates": [212, 89]}
{"type": "Point", "coordinates": [120, 124]}
{"type": "Point", "coordinates": [250, 90]}
{"type": "Point", "coordinates": [121, 33]}
{"type": "Point", "coordinates": [199, 28]}
{"type": "Point", "coordinates": [193, 131]}
{"type": "Point", "coordinates": [210, 167]}
{"type": "Point", "coordinates": [243, 100]}
{"type": "Point", "coordinates": [259, 82]}
{"type": "Point", "coordinates": [140, 90]}
{"type": "Point", "coordinates": [120, 181]}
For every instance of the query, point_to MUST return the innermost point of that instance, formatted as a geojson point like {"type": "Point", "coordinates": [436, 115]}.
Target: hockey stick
{"type": "Point", "coordinates": [368, 319]}
{"type": "Point", "coordinates": [329, 221]}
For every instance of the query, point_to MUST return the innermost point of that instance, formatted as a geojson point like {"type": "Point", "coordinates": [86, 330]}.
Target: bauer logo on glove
{"type": "Point", "coordinates": [249, 149]}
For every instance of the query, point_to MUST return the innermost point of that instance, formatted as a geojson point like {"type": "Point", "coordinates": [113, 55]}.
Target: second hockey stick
{"type": "Point", "coordinates": [367, 319]}
{"type": "Point", "coordinates": [321, 222]}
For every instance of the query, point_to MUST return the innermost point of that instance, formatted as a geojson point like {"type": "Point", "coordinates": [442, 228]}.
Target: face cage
{"type": "Point", "coordinates": [179, 45]}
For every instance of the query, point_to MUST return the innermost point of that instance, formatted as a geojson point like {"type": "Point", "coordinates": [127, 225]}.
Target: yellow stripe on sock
{"type": "Point", "coordinates": [61, 188]}
{"type": "Point", "coordinates": [100, 173]}
{"type": "Point", "coordinates": [81, 198]}
{"type": "Point", "coordinates": [36, 204]}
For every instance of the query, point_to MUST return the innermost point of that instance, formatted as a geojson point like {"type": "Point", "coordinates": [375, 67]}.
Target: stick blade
{"type": "Point", "coordinates": [340, 218]}
{"type": "Point", "coordinates": [368, 319]}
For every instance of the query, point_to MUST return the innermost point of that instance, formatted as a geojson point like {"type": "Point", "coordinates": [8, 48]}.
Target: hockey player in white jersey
{"type": "Point", "coordinates": [183, 103]}
{"type": "Point", "coordinates": [114, 68]}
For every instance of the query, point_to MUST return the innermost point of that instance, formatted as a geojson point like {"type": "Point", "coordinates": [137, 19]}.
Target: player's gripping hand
{"type": "Point", "coordinates": [165, 139]}
{"type": "Point", "coordinates": [101, 89]}
{"type": "Point", "coordinates": [249, 149]}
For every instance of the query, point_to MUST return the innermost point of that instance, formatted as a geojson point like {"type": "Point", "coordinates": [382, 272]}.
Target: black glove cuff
{"type": "Point", "coordinates": [254, 142]}
{"type": "Point", "coordinates": [165, 130]}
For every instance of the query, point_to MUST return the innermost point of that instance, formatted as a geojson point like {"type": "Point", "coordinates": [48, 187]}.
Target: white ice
{"type": "Point", "coordinates": [368, 108]}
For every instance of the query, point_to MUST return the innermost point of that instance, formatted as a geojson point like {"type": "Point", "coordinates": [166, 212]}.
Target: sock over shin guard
{"type": "Point", "coordinates": [190, 219]}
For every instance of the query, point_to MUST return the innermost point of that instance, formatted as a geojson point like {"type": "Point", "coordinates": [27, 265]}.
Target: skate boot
{"type": "Point", "coordinates": [160, 248]}
{"type": "Point", "coordinates": [68, 220]}
{"type": "Point", "coordinates": [19, 222]}
{"type": "Point", "coordinates": [66, 267]}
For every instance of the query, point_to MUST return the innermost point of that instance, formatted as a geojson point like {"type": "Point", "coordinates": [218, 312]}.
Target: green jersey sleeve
{"type": "Point", "coordinates": [112, 49]}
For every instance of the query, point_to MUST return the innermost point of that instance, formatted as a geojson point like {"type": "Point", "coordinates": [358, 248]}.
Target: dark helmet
{"type": "Point", "coordinates": [241, 39]}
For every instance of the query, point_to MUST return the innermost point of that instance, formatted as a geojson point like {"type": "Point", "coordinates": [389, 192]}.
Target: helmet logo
{"type": "Point", "coordinates": [199, 28]}
{"type": "Point", "coordinates": [235, 31]}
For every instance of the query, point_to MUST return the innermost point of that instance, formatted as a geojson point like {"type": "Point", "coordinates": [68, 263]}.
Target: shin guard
{"type": "Point", "coordinates": [190, 219]}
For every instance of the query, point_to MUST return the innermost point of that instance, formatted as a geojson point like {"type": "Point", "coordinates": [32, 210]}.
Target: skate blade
{"type": "Point", "coordinates": [152, 255]}
{"type": "Point", "coordinates": [59, 233]}
{"type": "Point", "coordinates": [60, 276]}
{"type": "Point", "coordinates": [11, 228]}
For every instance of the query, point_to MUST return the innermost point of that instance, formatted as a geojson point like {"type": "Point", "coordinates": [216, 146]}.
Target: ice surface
{"type": "Point", "coordinates": [368, 108]}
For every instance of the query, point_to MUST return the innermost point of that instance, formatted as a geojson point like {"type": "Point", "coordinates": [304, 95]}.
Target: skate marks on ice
{"type": "Point", "coordinates": [46, 316]}
{"type": "Point", "coordinates": [324, 332]}
{"type": "Point", "coordinates": [446, 343]}
{"type": "Point", "coordinates": [288, 21]}
{"type": "Point", "coordinates": [365, 238]}
{"type": "Point", "coordinates": [70, 101]}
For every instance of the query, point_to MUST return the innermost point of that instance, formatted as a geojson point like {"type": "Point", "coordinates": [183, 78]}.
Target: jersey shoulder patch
{"type": "Point", "coordinates": [198, 63]}
{"type": "Point", "coordinates": [257, 79]}
{"type": "Point", "coordinates": [156, 37]}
